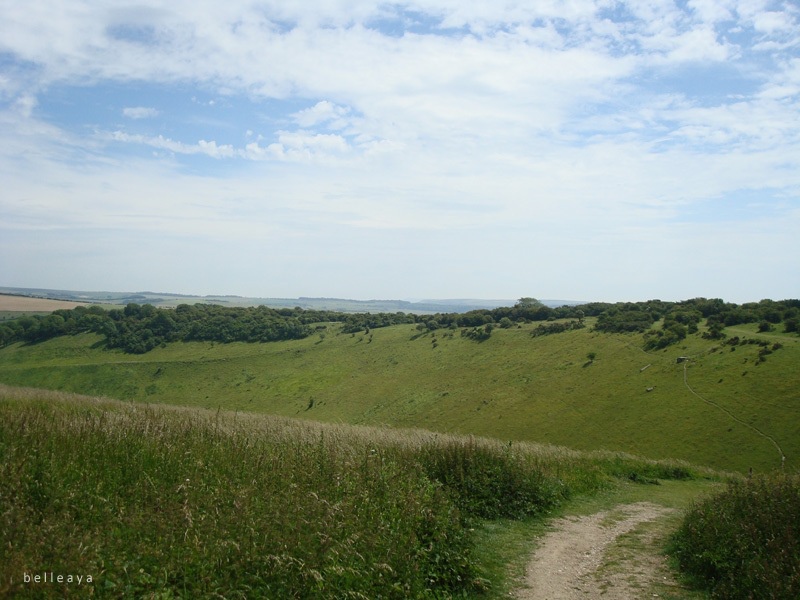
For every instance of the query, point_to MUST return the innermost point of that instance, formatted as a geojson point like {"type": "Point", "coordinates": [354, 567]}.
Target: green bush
{"type": "Point", "coordinates": [488, 481]}
{"type": "Point", "coordinates": [745, 542]}
{"type": "Point", "coordinates": [643, 471]}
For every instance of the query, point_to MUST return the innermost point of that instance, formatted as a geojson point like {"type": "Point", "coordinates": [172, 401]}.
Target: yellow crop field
{"type": "Point", "coordinates": [28, 304]}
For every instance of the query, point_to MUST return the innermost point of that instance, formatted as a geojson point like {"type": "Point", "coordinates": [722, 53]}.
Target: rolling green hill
{"type": "Point", "coordinates": [120, 500]}
{"type": "Point", "coordinates": [730, 407]}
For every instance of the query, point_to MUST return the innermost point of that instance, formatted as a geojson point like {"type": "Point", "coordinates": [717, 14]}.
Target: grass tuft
{"type": "Point", "coordinates": [745, 541]}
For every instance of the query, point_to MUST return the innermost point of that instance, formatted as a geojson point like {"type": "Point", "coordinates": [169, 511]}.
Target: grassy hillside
{"type": "Point", "coordinates": [167, 502]}
{"type": "Point", "coordinates": [512, 386]}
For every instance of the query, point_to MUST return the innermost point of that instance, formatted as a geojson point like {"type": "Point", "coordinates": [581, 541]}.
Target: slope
{"type": "Point", "coordinates": [511, 386]}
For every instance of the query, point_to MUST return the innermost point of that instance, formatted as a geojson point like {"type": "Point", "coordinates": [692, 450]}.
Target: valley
{"type": "Point", "coordinates": [512, 386]}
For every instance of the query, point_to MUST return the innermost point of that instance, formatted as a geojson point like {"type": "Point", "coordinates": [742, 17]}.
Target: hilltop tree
{"type": "Point", "coordinates": [528, 303]}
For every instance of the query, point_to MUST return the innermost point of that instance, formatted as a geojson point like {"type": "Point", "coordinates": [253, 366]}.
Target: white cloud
{"type": "Point", "coordinates": [305, 145]}
{"type": "Point", "coordinates": [549, 126]}
{"type": "Point", "coordinates": [323, 112]}
{"type": "Point", "coordinates": [24, 105]}
{"type": "Point", "coordinates": [140, 112]}
{"type": "Point", "coordinates": [207, 148]}
{"type": "Point", "coordinates": [771, 21]}
{"type": "Point", "coordinates": [713, 11]}
{"type": "Point", "coordinates": [698, 45]}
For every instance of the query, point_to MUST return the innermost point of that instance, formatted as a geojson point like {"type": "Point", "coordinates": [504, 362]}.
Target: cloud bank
{"type": "Point", "coordinates": [585, 149]}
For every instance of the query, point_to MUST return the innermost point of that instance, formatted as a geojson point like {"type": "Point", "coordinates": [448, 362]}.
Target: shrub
{"type": "Point", "coordinates": [745, 542]}
{"type": "Point", "coordinates": [661, 338]}
{"type": "Point", "coordinates": [552, 328]}
{"type": "Point", "coordinates": [643, 471]}
{"type": "Point", "coordinates": [488, 481]}
{"type": "Point", "coordinates": [629, 319]}
{"type": "Point", "coordinates": [791, 325]}
{"type": "Point", "coordinates": [479, 334]}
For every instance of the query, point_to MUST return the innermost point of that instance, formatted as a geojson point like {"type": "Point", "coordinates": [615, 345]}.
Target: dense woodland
{"type": "Point", "coordinates": [138, 328]}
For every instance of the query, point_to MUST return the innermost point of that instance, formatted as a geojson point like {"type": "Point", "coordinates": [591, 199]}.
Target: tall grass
{"type": "Point", "coordinates": [147, 500]}
{"type": "Point", "coordinates": [164, 501]}
{"type": "Point", "coordinates": [491, 482]}
{"type": "Point", "coordinates": [745, 542]}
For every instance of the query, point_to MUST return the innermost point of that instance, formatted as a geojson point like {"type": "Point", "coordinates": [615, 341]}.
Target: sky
{"type": "Point", "coordinates": [572, 149]}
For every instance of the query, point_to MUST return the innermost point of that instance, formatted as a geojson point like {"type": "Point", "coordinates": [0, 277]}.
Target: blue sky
{"type": "Point", "coordinates": [575, 149]}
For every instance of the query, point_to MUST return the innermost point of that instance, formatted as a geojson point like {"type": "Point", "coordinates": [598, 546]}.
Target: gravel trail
{"type": "Point", "coordinates": [572, 560]}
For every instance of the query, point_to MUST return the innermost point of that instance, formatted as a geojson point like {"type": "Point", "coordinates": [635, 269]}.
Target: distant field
{"type": "Point", "coordinates": [511, 387]}
{"type": "Point", "coordinates": [28, 304]}
{"type": "Point", "coordinates": [168, 300]}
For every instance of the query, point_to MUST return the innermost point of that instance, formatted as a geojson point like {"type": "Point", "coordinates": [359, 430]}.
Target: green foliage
{"type": "Point", "coordinates": [362, 321]}
{"type": "Point", "coordinates": [640, 471]}
{"type": "Point", "coordinates": [792, 325]}
{"type": "Point", "coordinates": [671, 333]}
{"type": "Point", "coordinates": [479, 334]}
{"type": "Point", "coordinates": [490, 482]}
{"type": "Point", "coordinates": [557, 327]}
{"type": "Point", "coordinates": [154, 502]}
{"type": "Point", "coordinates": [528, 303]}
{"type": "Point", "coordinates": [715, 331]}
{"type": "Point", "coordinates": [138, 328]}
{"type": "Point", "coordinates": [745, 542]}
{"type": "Point", "coordinates": [765, 327]}
{"type": "Point", "coordinates": [625, 319]}
{"type": "Point", "coordinates": [506, 323]}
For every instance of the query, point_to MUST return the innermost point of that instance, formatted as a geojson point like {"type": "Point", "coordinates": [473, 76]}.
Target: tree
{"type": "Point", "coordinates": [791, 325]}
{"type": "Point", "coordinates": [51, 326]}
{"type": "Point", "coordinates": [528, 303]}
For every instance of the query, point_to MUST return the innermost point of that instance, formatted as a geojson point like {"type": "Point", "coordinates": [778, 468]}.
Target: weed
{"type": "Point", "coordinates": [148, 500]}
{"type": "Point", "coordinates": [745, 541]}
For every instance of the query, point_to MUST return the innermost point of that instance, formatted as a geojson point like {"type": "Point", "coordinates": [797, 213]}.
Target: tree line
{"type": "Point", "coordinates": [138, 328]}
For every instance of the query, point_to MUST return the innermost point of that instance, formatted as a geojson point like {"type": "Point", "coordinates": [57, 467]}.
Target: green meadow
{"type": "Point", "coordinates": [399, 462]}
{"type": "Point", "coordinates": [163, 502]}
{"type": "Point", "coordinates": [729, 407]}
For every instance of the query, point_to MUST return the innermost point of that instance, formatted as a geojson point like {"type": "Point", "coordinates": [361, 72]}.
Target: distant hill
{"type": "Point", "coordinates": [167, 300]}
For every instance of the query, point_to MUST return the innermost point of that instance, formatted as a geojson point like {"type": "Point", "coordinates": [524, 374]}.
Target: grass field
{"type": "Point", "coordinates": [413, 463]}
{"type": "Point", "coordinates": [733, 412]}
{"type": "Point", "coordinates": [159, 501]}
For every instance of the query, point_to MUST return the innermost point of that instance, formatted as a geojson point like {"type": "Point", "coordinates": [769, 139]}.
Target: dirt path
{"type": "Point", "coordinates": [587, 557]}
